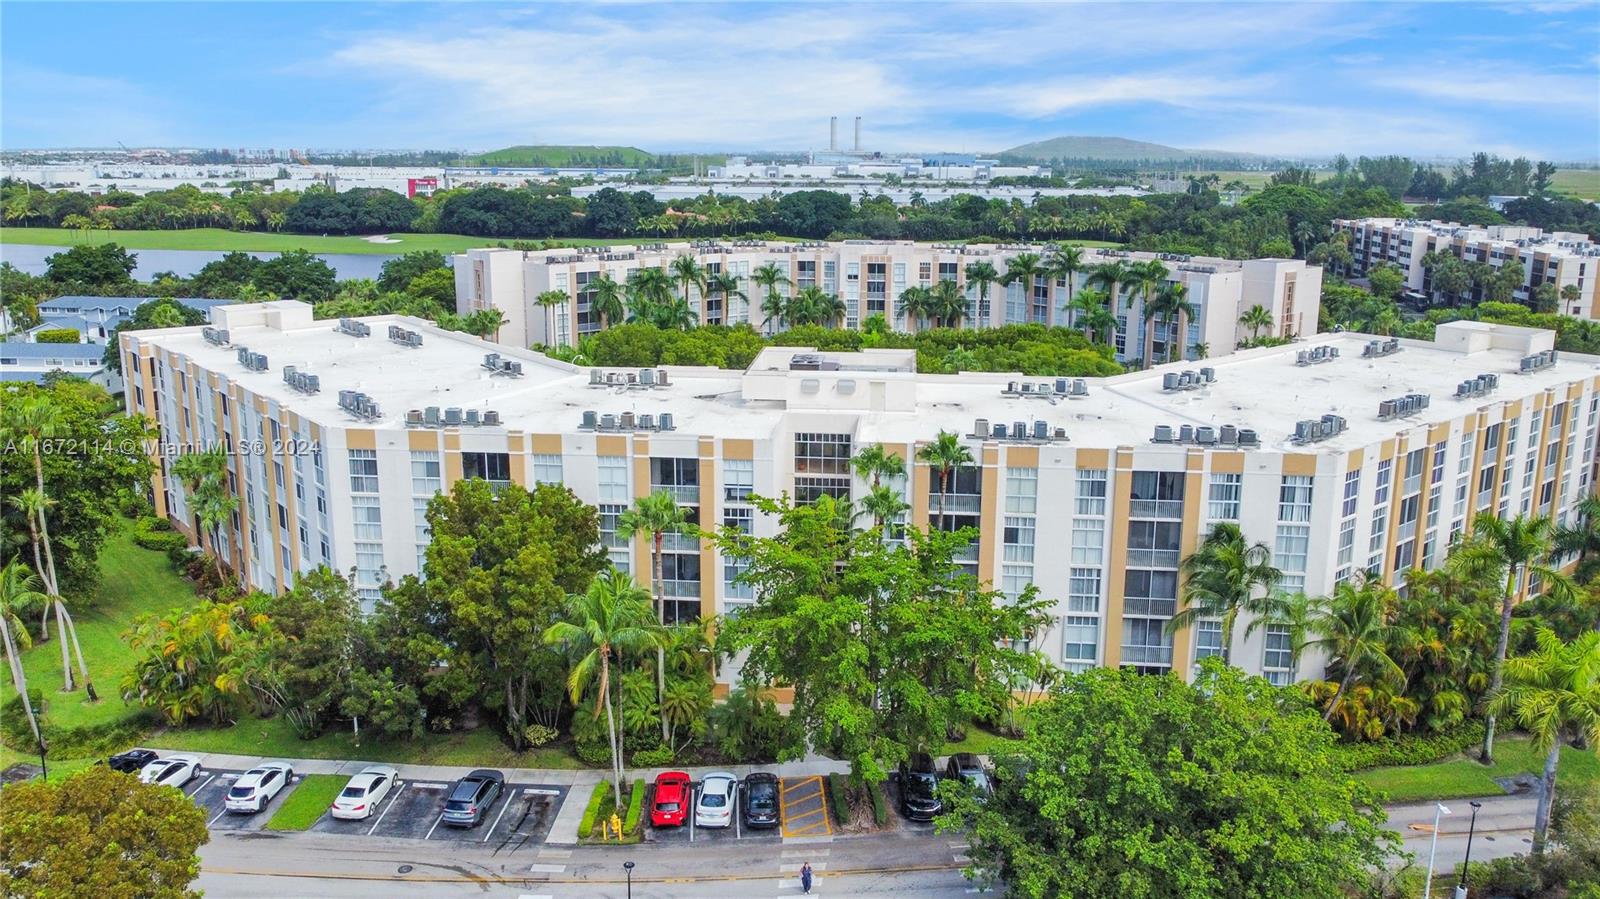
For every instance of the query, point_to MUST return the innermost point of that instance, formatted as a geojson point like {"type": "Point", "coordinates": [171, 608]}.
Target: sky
{"type": "Point", "coordinates": [1276, 78]}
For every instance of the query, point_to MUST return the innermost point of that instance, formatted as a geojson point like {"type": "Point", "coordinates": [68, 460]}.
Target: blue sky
{"type": "Point", "coordinates": [1431, 79]}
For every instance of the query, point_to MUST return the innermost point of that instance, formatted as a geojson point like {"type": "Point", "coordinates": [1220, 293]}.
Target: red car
{"type": "Point", "coordinates": [673, 796]}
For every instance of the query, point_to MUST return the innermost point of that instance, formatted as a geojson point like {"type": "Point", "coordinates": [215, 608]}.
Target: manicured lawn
{"type": "Point", "coordinates": [258, 242]}
{"type": "Point", "coordinates": [1581, 183]}
{"type": "Point", "coordinates": [307, 801]}
{"type": "Point", "coordinates": [133, 581]}
{"type": "Point", "coordinates": [274, 738]}
{"type": "Point", "coordinates": [1460, 776]}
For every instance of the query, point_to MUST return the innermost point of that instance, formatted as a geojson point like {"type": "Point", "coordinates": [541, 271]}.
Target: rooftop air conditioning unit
{"type": "Point", "coordinates": [666, 421]}
{"type": "Point", "coordinates": [430, 416]}
{"type": "Point", "coordinates": [413, 418]}
{"type": "Point", "coordinates": [472, 417]}
{"type": "Point", "coordinates": [591, 420]}
{"type": "Point", "coordinates": [491, 418]}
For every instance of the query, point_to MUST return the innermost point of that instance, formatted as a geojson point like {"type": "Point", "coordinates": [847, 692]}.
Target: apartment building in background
{"type": "Point", "coordinates": [871, 275]}
{"type": "Point", "coordinates": [1344, 453]}
{"type": "Point", "coordinates": [1562, 258]}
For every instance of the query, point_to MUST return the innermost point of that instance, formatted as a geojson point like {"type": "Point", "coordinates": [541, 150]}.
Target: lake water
{"type": "Point", "coordinates": [185, 263]}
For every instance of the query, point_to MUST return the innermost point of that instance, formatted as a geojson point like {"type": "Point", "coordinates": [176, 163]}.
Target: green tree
{"type": "Point", "coordinates": [611, 617]}
{"type": "Point", "coordinates": [100, 266]}
{"type": "Point", "coordinates": [549, 300]}
{"type": "Point", "coordinates": [1513, 552]}
{"type": "Point", "coordinates": [1354, 628]}
{"type": "Point", "coordinates": [1065, 262]}
{"type": "Point", "coordinates": [768, 277]}
{"type": "Point", "coordinates": [1090, 313]}
{"type": "Point", "coordinates": [398, 272]}
{"type": "Point", "coordinates": [1225, 577]}
{"type": "Point", "coordinates": [1171, 303]}
{"type": "Point", "coordinates": [324, 635]}
{"type": "Point", "coordinates": [913, 304]}
{"type": "Point", "coordinates": [608, 300]}
{"type": "Point", "coordinates": [1582, 538]}
{"type": "Point", "coordinates": [199, 662]}
{"type": "Point", "coordinates": [1023, 269]}
{"type": "Point", "coordinates": [1112, 277]}
{"type": "Point", "coordinates": [99, 834]}
{"type": "Point", "coordinates": [1386, 280]}
{"type": "Point", "coordinates": [19, 595]}
{"type": "Point", "coordinates": [204, 475]}
{"type": "Point", "coordinates": [726, 286]}
{"type": "Point", "coordinates": [297, 274]}
{"type": "Point", "coordinates": [983, 276]}
{"type": "Point", "coordinates": [1553, 694]}
{"type": "Point", "coordinates": [1255, 318]}
{"type": "Point", "coordinates": [1139, 787]}
{"type": "Point", "coordinates": [656, 515]}
{"type": "Point", "coordinates": [944, 455]}
{"type": "Point", "coordinates": [689, 273]}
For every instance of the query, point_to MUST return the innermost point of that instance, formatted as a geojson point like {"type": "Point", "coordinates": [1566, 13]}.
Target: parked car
{"type": "Point", "coordinates": [670, 805]}
{"type": "Point", "coordinates": [472, 798]}
{"type": "Point", "coordinates": [919, 788]}
{"type": "Point", "coordinates": [715, 806]}
{"type": "Point", "coordinates": [761, 800]}
{"type": "Point", "coordinates": [172, 770]}
{"type": "Point", "coordinates": [132, 761]}
{"type": "Point", "coordinates": [361, 796]}
{"type": "Point", "coordinates": [966, 766]}
{"type": "Point", "coordinates": [258, 786]}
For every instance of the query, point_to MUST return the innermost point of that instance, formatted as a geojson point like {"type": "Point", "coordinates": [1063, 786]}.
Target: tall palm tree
{"type": "Point", "coordinates": [726, 285]}
{"type": "Point", "coordinates": [1256, 318]}
{"type": "Point", "coordinates": [1514, 552]}
{"type": "Point", "coordinates": [1354, 627]}
{"type": "Point", "coordinates": [19, 592]}
{"type": "Point", "coordinates": [1224, 578]}
{"type": "Point", "coordinates": [204, 475]}
{"type": "Point", "coordinates": [1022, 269]}
{"type": "Point", "coordinates": [947, 303]}
{"type": "Point", "coordinates": [688, 272]}
{"type": "Point", "coordinates": [549, 300]}
{"type": "Point", "coordinates": [874, 463]}
{"type": "Point", "coordinates": [1065, 262]}
{"type": "Point", "coordinates": [1583, 539]}
{"type": "Point", "coordinates": [983, 276]}
{"type": "Point", "coordinates": [607, 299]}
{"type": "Point", "coordinates": [610, 618]}
{"type": "Point", "coordinates": [648, 290]}
{"type": "Point", "coordinates": [813, 306]}
{"type": "Point", "coordinates": [34, 505]}
{"type": "Point", "coordinates": [885, 505]}
{"type": "Point", "coordinates": [657, 515]}
{"type": "Point", "coordinates": [768, 277]}
{"type": "Point", "coordinates": [944, 455]}
{"type": "Point", "coordinates": [1091, 305]}
{"type": "Point", "coordinates": [913, 304]}
{"type": "Point", "coordinates": [1171, 302]}
{"type": "Point", "coordinates": [1553, 693]}
{"type": "Point", "coordinates": [1112, 277]}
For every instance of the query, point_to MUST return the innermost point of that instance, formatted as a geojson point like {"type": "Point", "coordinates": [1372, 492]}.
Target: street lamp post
{"type": "Point", "coordinates": [1466, 864]}
{"type": "Point", "coordinates": [628, 866]}
{"type": "Point", "coordinates": [1427, 887]}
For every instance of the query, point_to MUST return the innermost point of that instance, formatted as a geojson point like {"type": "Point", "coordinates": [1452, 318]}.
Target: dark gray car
{"type": "Point", "coordinates": [472, 798]}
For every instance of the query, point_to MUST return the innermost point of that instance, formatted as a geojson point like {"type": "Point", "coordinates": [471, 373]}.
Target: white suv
{"type": "Point", "coordinates": [256, 787]}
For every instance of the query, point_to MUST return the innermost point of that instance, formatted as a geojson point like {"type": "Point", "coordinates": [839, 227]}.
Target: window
{"type": "Point", "coordinates": [1022, 490]}
{"type": "Point", "coordinates": [741, 518]}
{"type": "Point", "coordinates": [368, 519]}
{"type": "Point", "coordinates": [491, 467]}
{"type": "Point", "coordinates": [617, 549]}
{"type": "Point", "coordinates": [369, 565]}
{"type": "Point", "coordinates": [1293, 545]}
{"type": "Point", "coordinates": [1154, 543]}
{"type": "Point", "coordinates": [738, 479]}
{"type": "Point", "coordinates": [1146, 647]}
{"type": "Point", "coordinates": [1084, 590]}
{"type": "Point", "coordinates": [680, 477]}
{"type": "Point", "coordinates": [363, 471]}
{"type": "Point", "coordinates": [1277, 658]}
{"type": "Point", "coordinates": [547, 468]}
{"type": "Point", "coordinates": [1088, 540]}
{"type": "Point", "coordinates": [1157, 494]}
{"type": "Point", "coordinates": [425, 479]}
{"type": "Point", "coordinates": [1415, 461]}
{"type": "Point", "coordinates": [1014, 579]}
{"type": "Point", "coordinates": [1294, 498]}
{"type": "Point", "coordinates": [1352, 491]}
{"type": "Point", "coordinates": [1080, 647]}
{"type": "Point", "coordinates": [614, 479]}
{"type": "Point", "coordinates": [419, 510]}
{"type": "Point", "coordinates": [1207, 639]}
{"type": "Point", "coordinates": [1091, 491]}
{"type": "Point", "coordinates": [822, 466]}
{"type": "Point", "coordinates": [1149, 592]}
{"type": "Point", "coordinates": [1019, 538]}
{"type": "Point", "coordinates": [1224, 497]}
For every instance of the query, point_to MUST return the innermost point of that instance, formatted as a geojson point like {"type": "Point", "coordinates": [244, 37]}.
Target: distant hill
{"type": "Point", "coordinates": [1113, 149]}
{"type": "Point", "coordinates": [555, 155]}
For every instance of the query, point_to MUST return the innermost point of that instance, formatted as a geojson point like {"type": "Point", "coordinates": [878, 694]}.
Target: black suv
{"type": "Point", "coordinates": [761, 800]}
{"type": "Point", "coordinates": [919, 788]}
{"type": "Point", "coordinates": [474, 794]}
{"type": "Point", "coordinates": [132, 761]}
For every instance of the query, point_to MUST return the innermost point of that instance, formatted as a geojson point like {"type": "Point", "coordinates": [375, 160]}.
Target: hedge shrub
{"type": "Point", "coordinates": [839, 790]}
{"type": "Point", "coordinates": [593, 753]}
{"type": "Point", "coordinates": [1409, 749]}
{"type": "Point", "coordinates": [635, 807]}
{"type": "Point", "coordinates": [655, 757]}
{"type": "Point", "coordinates": [592, 810]}
{"type": "Point", "coordinates": [158, 534]}
{"type": "Point", "coordinates": [58, 335]}
{"type": "Point", "coordinates": [880, 806]}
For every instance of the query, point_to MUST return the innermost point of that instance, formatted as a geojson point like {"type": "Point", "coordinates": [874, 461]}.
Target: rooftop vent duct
{"type": "Point", "coordinates": [354, 327]}
{"type": "Point", "coordinates": [1377, 348]}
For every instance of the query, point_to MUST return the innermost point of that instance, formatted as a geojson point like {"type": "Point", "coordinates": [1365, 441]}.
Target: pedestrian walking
{"type": "Point", "coordinates": [805, 877]}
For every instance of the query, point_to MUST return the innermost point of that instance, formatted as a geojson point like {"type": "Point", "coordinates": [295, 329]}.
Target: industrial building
{"type": "Point", "coordinates": [1344, 452]}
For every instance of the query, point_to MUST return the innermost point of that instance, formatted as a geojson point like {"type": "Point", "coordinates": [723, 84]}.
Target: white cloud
{"type": "Point", "coordinates": [1473, 82]}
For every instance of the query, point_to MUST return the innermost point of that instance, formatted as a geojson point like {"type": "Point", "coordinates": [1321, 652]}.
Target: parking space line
{"type": "Point", "coordinates": [393, 798]}
{"type": "Point", "coordinates": [490, 832]}
{"type": "Point", "coordinates": [218, 817]}
{"type": "Point", "coordinates": [434, 827]}
{"type": "Point", "coordinates": [202, 786]}
{"type": "Point", "coordinates": [735, 811]}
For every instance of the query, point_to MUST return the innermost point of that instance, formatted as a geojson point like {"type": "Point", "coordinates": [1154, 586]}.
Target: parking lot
{"type": "Point", "coordinates": [413, 810]}
{"type": "Point", "coordinates": [210, 789]}
{"type": "Point", "coordinates": [689, 833]}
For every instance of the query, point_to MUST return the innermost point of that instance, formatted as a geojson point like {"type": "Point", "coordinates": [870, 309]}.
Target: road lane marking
{"type": "Point", "coordinates": [546, 869]}
{"type": "Point", "coordinates": [202, 786]}
{"type": "Point", "coordinates": [393, 798]}
{"type": "Point", "coordinates": [490, 832]}
{"type": "Point", "coordinates": [218, 817]}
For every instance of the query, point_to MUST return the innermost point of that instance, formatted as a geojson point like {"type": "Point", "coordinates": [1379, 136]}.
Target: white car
{"type": "Point", "coordinates": [256, 787]}
{"type": "Point", "coordinates": [714, 807]}
{"type": "Point", "coordinates": [171, 770]}
{"type": "Point", "coordinates": [362, 795]}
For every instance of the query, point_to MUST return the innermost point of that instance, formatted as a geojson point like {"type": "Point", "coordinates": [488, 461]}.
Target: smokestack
{"type": "Point", "coordinates": [858, 134]}
{"type": "Point", "coordinates": [833, 133]}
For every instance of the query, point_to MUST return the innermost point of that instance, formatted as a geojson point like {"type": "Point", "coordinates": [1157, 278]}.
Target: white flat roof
{"type": "Point", "coordinates": [1260, 389]}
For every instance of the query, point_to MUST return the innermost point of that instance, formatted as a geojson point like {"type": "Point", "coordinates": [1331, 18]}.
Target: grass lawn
{"type": "Point", "coordinates": [274, 738]}
{"type": "Point", "coordinates": [133, 581]}
{"type": "Point", "coordinates": [1581, 183]}
{"type": "Point", "coordinates": [1460, 776]}
{"type": "Point", "coordinates": [307, 801]}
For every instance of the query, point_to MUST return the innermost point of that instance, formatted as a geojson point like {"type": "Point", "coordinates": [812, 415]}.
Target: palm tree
{"type": "Point", "coordinates": [947, 303]}
{"type": "Point", "coordinates": [607, 299]}
{"type": "Point", "coordinates": [983, 276]}
{"type": "Point", "coordinates": [1224, 578]}
{"type": "Point", "coordinates": [1091, 304]}
{"type": "Point", "coordinates": [875, 463]}
{"type": "Point", "coordinates": [550, 299]}
{"type": "Point", "coordinates": [608, 619]}
{"type": "Point", "coordinates": [913, 304]}
{"type": "Point", "coordinates": [1171, 302]}
{"type": "Point", "coordinates": [1200, 348]}
{"type": "Point", "coordinates": [648, 289]}
{"type": "Point", "coordinates": [688, 272]}
{"type": "Point", "coordinates": [1583, 539]}
{"type": "Point", "coordinates": [768, 277]}
{"type": "Point", "coordinates": [945, 454]}
{"type": "Point", "coordinates": [1553, 693]}
{"type": "Point", "coordinates": [1111, 277]}
{"type": "Point", "coordinates": [1513, 551]}
{"type": "Point", "coordinates": [1256, 318]}
{"type": "Point", "coordinates": [657, 515]}
{"type": "Point", "coordinates": [726, 285]}
{"type": "Point", "coordinates": [1022, 269]}
{"type": "Point", "coordinates": [19, 592]}
{"type": "Point", "coordinates": [1354, 627]}
{"type": "Point", "coordinates": [1065, 262]}
{"type": "Point", "coordinates": [811, 306]}
{"type": "Point", "coordinates": [676, 315]}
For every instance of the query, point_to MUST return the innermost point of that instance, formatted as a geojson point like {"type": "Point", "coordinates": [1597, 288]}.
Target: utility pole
{"type": "Point", "coordinates": [1433, 847]}
{"type": "Point", "coordinates": [1466, 864]}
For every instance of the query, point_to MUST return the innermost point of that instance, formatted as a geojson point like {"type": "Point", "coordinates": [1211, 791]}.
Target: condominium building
{"type": "Point", "coordinates": [1562, 258]}
{"type": "Point", "coordinates": [871, 275]}
{"type": "Point", "coordinates": [1344, 453]}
